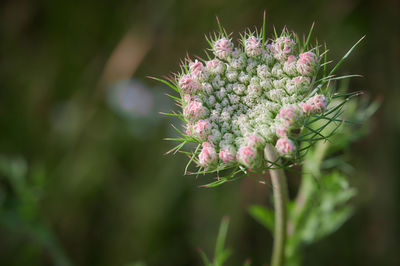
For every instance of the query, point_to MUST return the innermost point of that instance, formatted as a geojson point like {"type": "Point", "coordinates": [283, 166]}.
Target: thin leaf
{"type": "Point", "coordinates": [191, 158]}
{"type": "Point", "coordinates": [330, 78]}
{"type": "Point", "coordinates": [345, 56]}
{"type": "Point", "coordinates": [166, 83]}
{"type": "Point", "coordinates": [223, 230]}
{"type": "Point", "coordinates": [263, 29]}
{"type": "Point", "coordinates": [204, 258]}
{"type": "Point", "coordinates": [263, 216]}
{"type": "Point", "coordinates": [309, 36]}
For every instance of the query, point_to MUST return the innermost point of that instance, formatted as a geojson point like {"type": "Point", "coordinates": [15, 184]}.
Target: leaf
{"type": "Point", "coordinates": [263, 216]}
{"type": "Point", "coordinates": [191, 158]}
{"type": "Point", "coordinates": [345, 56]}
{"type": "Point", "coordinates": [216, 183]}
{"type": "Point", "coordinates": [222, 257]}
{"type": "Point", "coordinates": [308, 37]}
{"type": "Point", "coordinates": [206, 261]}
{"type": "Point", "coordinates": [166, 83]}
{"type": "Point", "coordinates": [223, 230]}
{"type": "Point", "coordinates": [222, 254]}
{"type": "Point", "coordinates": [263, 29]}
{"type": "Point", "coordinates": [329, 210]}
{"type": "Point", "coordinates": [330, 78]}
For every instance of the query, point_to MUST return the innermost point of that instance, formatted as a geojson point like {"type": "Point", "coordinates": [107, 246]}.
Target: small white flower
{"type": "Point", "coordinates": [263, 72]}
{"type": "Point", "coordinates": [244, 78]}
{"type": "Point", "coordinates": [232, 75]}
{"type": "Point", "coordinates": [239, 89]}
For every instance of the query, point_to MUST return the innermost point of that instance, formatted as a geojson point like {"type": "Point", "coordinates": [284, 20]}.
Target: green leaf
{"type": "Point", "coordinates": [263, 216]}
{"type": "Point", "coordinates": [330, 78]}
{"type": "Point", "coordinates": [223, 230]}
{"type": "Point", "coordinates": [166, 83]}
{"type": "Point", "coordinates": [222, 257]}
{"type": "Point", "coordinates": [191, 158]}
{"type": "Point", "coordinates": [345, 56]}
{"type": "Point", "coordinates": [263, 29]}
{"type": "Point", "coordinates": [206, 261]}
{"type": "Point", "coordinates": [308, 37]}
{"type": "Point", "coordinates": [222, 254]}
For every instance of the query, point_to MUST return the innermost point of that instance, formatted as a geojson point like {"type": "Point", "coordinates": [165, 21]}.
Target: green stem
{"type": "Point", "coordinates": [279, 188]}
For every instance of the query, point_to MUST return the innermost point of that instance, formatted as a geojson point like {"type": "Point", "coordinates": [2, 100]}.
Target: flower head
{"type": "Point", "coordinates": [250, 95]}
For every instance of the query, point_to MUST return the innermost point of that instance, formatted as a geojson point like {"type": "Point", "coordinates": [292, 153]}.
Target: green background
{"type": "Point", "coordinates": [83, 181]}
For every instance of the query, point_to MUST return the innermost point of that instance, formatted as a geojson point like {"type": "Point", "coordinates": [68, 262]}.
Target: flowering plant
{"type": "Point", "coordinates": [254, 107]}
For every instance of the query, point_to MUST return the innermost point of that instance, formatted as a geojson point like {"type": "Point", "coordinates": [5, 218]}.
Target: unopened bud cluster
{"type": "Point", "coordinates": [248, 96]}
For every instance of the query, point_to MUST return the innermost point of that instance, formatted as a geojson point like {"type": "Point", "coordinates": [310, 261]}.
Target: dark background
{"type": "Point", "coordinates": [85, 180]}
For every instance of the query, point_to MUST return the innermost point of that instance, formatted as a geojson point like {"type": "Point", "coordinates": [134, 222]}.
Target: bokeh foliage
{"type": "Point", "coordinates": [86, 183]}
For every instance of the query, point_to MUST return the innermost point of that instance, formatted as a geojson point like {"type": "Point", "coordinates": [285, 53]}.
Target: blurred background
{"type": "Point", "coordinates": [83, 175]}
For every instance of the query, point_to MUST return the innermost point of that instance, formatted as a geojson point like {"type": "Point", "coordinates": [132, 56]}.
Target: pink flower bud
{"type": "Point", "coordinates": [208, 156]}
{"type": "Point", "coordinates": [316, 104]}
{"type": "Point", "coordinates": [223, 48]}
{"type": "Point", "coordinates": [195, 110]}
{"type": "Point", "coordinates": [248, 156]}
{"type": "Point", "coordinates": [187, 98]}
{"type": "Point", "coordinates": [197, 70]}
{"type": "Point", "coordinates": [301, 81]}
{"type": "Point", "coordinates": [307, 108]}
{"type": "Point", "coordinates": [282, 131]}
{"type": "Point", "coordinates": [228, 154]}
{"type": "Point", "coordinates": [254, 141]}
{"type": "Point", "coordinates": [319, 102]}
{"type": "Point", "coordinates": [196, 66]}
{"type": "Point", "coordinates": [288, 115]}
{"type": "Point", "coordinates": [188, 84]}
{"type": "Point", "coordinates": [290, 65]}
{"type": "Point", "coordinates": [291, 59]}
{"type": "Point", "coordinates": [253, 46]}
{"type": "Point", "coordinates": [201, 129]}
{"type": "Point", "coordinates": [188, 130]}
{"type": "Point", "coordinates": [212, 64]}
{"type": "Point", "coordinates": [215, 67]}
{"type": "Point", "coordinates": [283, 47]}
{"type": "Point", "coordinates": [285, 146]}
{"type": "Point", "coordinates": [307, 63]}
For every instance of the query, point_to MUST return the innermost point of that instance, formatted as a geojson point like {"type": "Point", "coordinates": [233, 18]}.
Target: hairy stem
{"type": "Point", "coordinates": [279, 188]}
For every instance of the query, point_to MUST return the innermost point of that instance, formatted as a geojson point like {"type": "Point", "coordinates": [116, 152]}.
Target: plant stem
{"type": "Point", "coordinates": [279, 188]}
